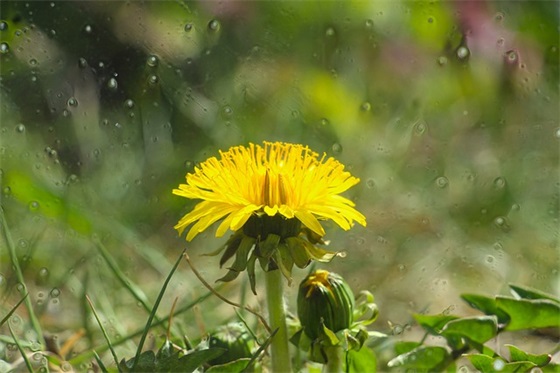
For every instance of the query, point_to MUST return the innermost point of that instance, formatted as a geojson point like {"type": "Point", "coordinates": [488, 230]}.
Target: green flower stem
{"type": "Point", "coordinates": [334, 359]}
{"type": "Point", "coordinates": [277, 318]}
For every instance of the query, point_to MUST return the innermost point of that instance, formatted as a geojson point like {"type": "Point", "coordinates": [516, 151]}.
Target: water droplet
{"type": "Point", "coordinates": [499, 183]}
{"type": "Point", "coordinates": [511, 57]}
{"type": "Point", "coordinates": [33, 205]}
{"type": "Point", "coordinates": [72, 102]}
{"type": "Point", "coordinates": [44, 272]}
{"type": "Point", "coordinates": [557, 133]}
{"type": "Point", "coordinates": [20, 128]}
{"type": "Point", "coordinates": [88, 29]}
{"type": "Point", "coordinates": [489, 259]}
{"type": "Point", "coordinates": [4, 48]}
{"type": "Point", "coordinates": [442, 60]}
{"type": "Point", "coordinates": [401, 267]}
{"type": "Point", "coordinates": [336, 147]}
{"type": "Point", "coordinates": [3, 26]}
{"type": "Point", "coordinates": [153, 79]}
{"type": "Point", "coordinates": [420, 128]}
{"type": "Point", "coordinates": [82, 62]}
{"type": "Point", "coordinates": [7, 190]}
{"type": "Point", "coordinates": [499, 17]}
{"type": "Point", "coordinates": [20, 287]}
{"type": "Point", "coordinates": [370, 183]}
{"type": "Point", "coordinates": [330, 32]}
{"type": "Point", "coordinates": [189, 165]}
{"type": "Point", "coordinates": [369, 23]}
{"type": "Point", "coordinates": [55, 292]}
{"type": "Point", "coordinates": [442, 182]}
{"type": "Point", "coordinates": [188, 27]}
{"type": "Point", "coordinates": [33, 62]}
{"type": "Point", "coordinates": [152, 61]}
{"type": "Point", "coordinates": [431, 19]}
{"type": "Point", "coordinates": [227, 111]}
{"type": "Point", "coordinates": [462, 52]}
{"type": "Point", "coordinates": [129, 104]}
{"type": "Point", "coordinates": [214, 25]}
{"type": "Point", "coordinates": [112, 84]}
{"type": "Point", "coordinates": [365, 106]}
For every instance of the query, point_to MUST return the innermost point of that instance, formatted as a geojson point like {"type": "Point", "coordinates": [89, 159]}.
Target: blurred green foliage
{"type": "Point", "coordinates": [447, 111]}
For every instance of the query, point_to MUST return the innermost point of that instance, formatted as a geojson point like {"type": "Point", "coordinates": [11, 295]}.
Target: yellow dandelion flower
{"type": "Point", "coordinates": [278, 178]}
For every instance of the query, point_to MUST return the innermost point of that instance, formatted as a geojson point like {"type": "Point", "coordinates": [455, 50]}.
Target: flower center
{"type": "Point", "coordinates": [274, 189]}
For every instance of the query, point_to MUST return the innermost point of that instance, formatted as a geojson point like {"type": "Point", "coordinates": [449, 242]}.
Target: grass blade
{"type": "Point", "coordinates": [21, 351]}
{"type": "Point", "coordinates": [104, 334]}
{"type": "Point", "coordinates": [19, 274]}
{"type": "Point", "coordinates": [100, 363]}
{"type": "Point", "coordinates": [14, 308]}
{"type": "Point", "coordinates": [154, 310]}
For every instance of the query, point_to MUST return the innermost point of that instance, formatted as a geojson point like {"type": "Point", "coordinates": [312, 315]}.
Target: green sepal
{"type": "Point", "coordinates": [365, 310]}
{"type": "Point", "coordinates": [242, 254]}
{"type": "Point", "coordinates": [296, 247]}
{"type": "Point", "coordinates": [318, 254]}
{"type": "Point", "coordinates": [230, 276]}
{"type": "Point", "coordinates": [251, 272]}
{"type": "Point", "coordinates": [284, 262]}
{"type": "Point", "coordinates": [269, 245]}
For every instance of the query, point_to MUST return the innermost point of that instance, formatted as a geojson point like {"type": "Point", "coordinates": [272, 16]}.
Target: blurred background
{"type": "Point", "coordinates": [447, 112]}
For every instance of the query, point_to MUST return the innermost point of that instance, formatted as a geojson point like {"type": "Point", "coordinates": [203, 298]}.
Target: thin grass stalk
{"type": "Point", "coordinates": [107, 339]}
{"type": "Point", "coordinates": [154, 310]}
{"type": "Point", "coordinates": [15, 262]}
{"type": "Point", "coordinates": [21, 351]}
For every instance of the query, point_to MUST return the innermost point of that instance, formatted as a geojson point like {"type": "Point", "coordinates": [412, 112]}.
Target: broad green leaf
{"type": "Point", "coordinates": [477, 329]}
{"type": "Point", "coordinates": [193, 360]}
{"type": "Point", "coordinates": [360, 361]}
{"type": "Point", "coordinates": [517, 354]}
{"type": "Point", "coordinates": [530, 313]}
{"type": "Point", "coordinates": [430, 358]}
{"type": "Point", "coordinates": [486, 305]}
{"type": "Point", "coordinates": [433, 323]}
{"type": "Point", "coordinates": [231, 367]}
{"type": "Point", "coordinates": [483, 363]}
{"type": "Point", "coordinates": [405, 346]}
{"type": "Point", "coordinates": [487, 364]}
{"type": "Point", "coordinates": [526, 292]}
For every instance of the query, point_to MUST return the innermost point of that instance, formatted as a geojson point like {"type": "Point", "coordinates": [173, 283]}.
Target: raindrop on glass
{"type": "Point", "coordinates": [55, 292]}
{"type": "Point", "coordinates": [4, 48]}
{"type": "Point", "coordinates": [489, 259]}
{"type": "Point", "coordinates": [33, 62]}
{"type": "Point", "coordinates": [3, 26]}
{"type": "Point", "coordinates": [112, 84]}
{"type": "Point", "coordinates": [369, 23]}
{"type": "Point", "coordinates": [88, 29]}
{"type": "Point", "coordinates": [129, 104]}
{"type": "Point", "coordinates": [365, 106]}
{"type": "Point", "coordinates": [188, 27]}
{"type": "Point", "coordinates": [43, 273]}
{"type": "Point", "coordinates": [33, 205]}
{"type": "Point", "coordinates": [72, 102]}
{"type": "Point", "coordinates": [442, 182]}
{"type": "Point", "coordinates": [20, 128]}
{"type": "Point", "coordinates": [152, 61]}
{"type": "Point", "coordinates": [499, 183]}
{"type": "Point", "coordinates": [330, 32]}
{"type": "Point", "coordinates": [511, 57]}
{"type": "Point", "coordinates": [420, 128]}
{"type": "Point", "coordinates": [557, 133]}
{"type": "Point", "coordinates": [214, 25]}
{"type": "Point", "coordinates": [153, 79]}
{"type": "Point", "coordinates": [82, 62]}
{"type": "Point", "coordinates": [336, 147]}
{"type": "Point", "coordinates": [463, 52]}
{"type": "Point", "coordinates": [370, 183]}
{"type": "Point", "coordinates": [7, 191]}
{"type": "Point", "coordinates": [442, 60]}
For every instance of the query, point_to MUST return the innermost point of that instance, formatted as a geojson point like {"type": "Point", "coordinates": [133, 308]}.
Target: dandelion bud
{"type": "Point", "coordinates": [324, 301]}
{"type": "Point", "coordinates": [235, 339]}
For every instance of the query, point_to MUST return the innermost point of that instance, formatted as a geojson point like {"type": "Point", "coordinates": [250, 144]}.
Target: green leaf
{"type": "Point", "coordinates": [360, 361]}
{"type": "Point", "coordinates": [405, 346]}
{"type": "Point", "coordinates": [433, 323]}
{"type": "Point", "coordinates": [517, 354]}
{"type": "Point", "coordinates": [236, 366]}
{"type": "Point", "coordinates": [269, 245]}
{"type": "Point", "coordinates": [297, 250]}
{"type": "Point", "coordinates": [195, 359]}
{"type": "Point", "coordinates": [424, 358]}
{"type": "Point", "coordinates": [483, 363]}
{"type": "Point", "coordinates": [530, 313]}
{"type": "Point", "coordinates": [526, 292]}
{"type": "Point", "coordinates": [144, 362]}
{"type": "Point", "coordinates": [486, 305]}
{"type": "Point", "coordinates": [476, 329]}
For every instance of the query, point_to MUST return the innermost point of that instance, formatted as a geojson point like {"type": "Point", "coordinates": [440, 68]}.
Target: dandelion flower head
{"type": "Point", "coordinates": [275, 179]}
